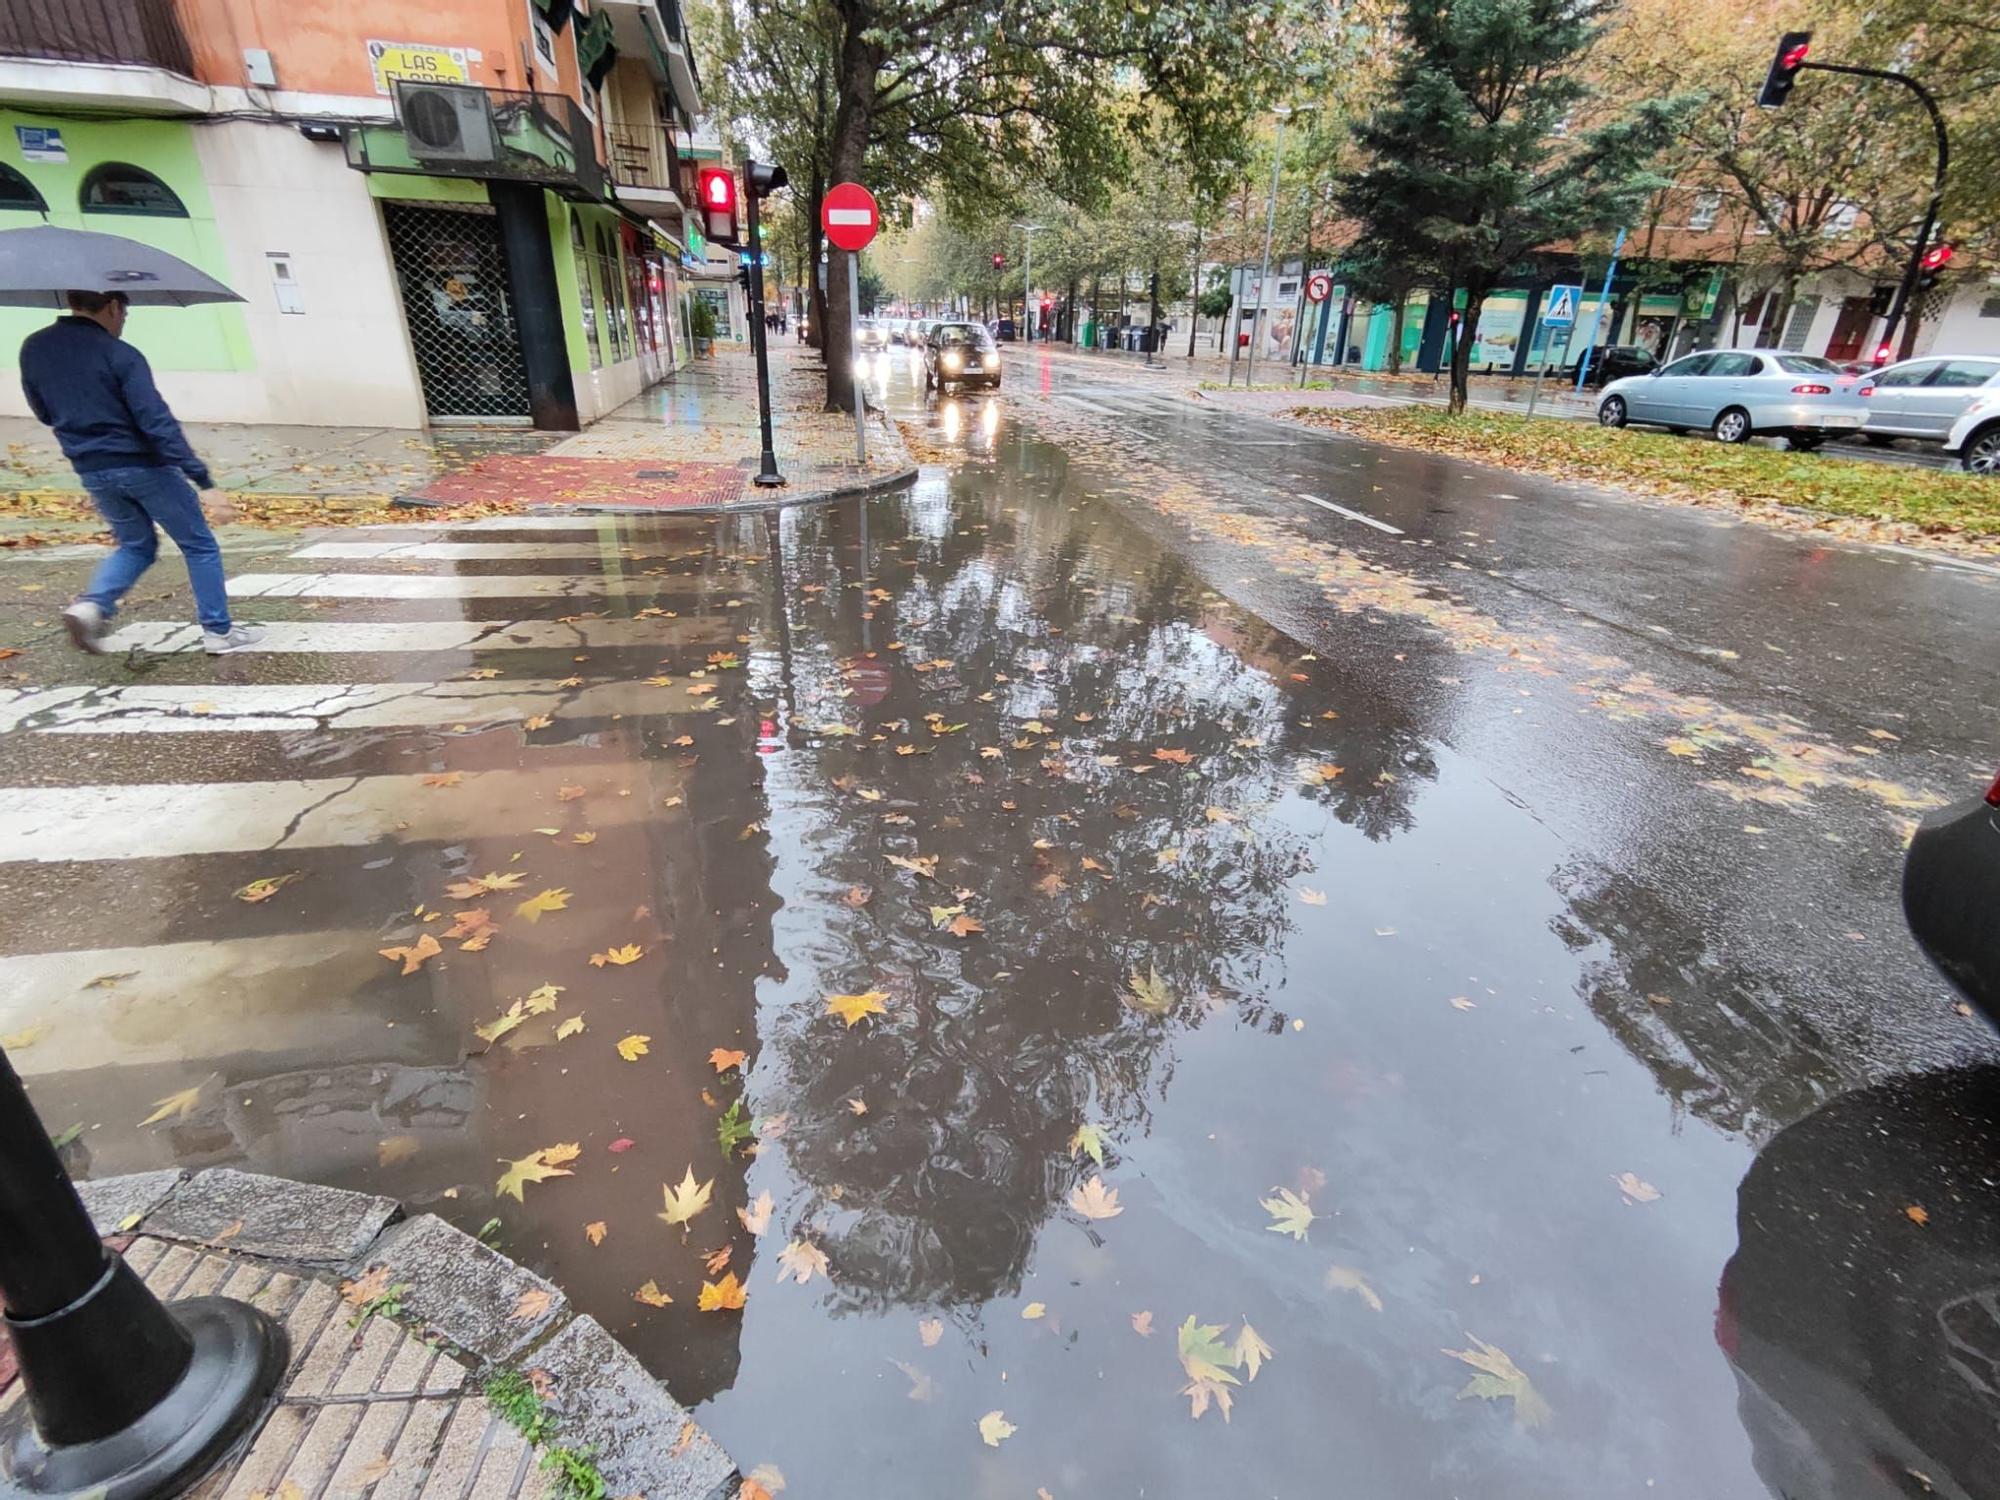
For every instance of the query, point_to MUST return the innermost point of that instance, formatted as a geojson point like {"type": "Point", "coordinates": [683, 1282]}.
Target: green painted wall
{"type": "Point", "coordinates": [173, 338]}
{"type": "Point", "coordinates": [412, 189]}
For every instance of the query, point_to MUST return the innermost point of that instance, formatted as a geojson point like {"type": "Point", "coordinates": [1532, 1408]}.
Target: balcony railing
{"type": "Point", "coordinates": [146, 32]}
{"type": "Point", "coordinates": [492, 134]}
{"type": "Point", "coordinates": [644, 156]}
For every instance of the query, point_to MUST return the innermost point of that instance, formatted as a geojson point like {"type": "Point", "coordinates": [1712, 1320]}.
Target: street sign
{"type": "Point", "coordinates": [1559, 311]}
{"type": "Point", "coordinates": [1319, 286]}
{"type": "Point", "coordinates": [849, 216]}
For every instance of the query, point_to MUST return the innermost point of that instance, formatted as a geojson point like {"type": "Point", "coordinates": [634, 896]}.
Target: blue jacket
{"type": "Point", "coordinates": [97, 392]}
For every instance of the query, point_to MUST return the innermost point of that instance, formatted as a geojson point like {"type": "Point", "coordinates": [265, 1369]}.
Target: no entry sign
{"type": "Point", "coordinates": [1319, 287]}
{"type": "Point", "coordinates": [849, 216]}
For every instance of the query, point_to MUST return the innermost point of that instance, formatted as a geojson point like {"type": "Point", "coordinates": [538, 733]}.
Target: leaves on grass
{"type": "Point", "coordinates": [1094, 1200]}
{"type": "Point", "coordinates": [1347, 1279]}
{"type": "Point", "coordinates": [994, 1428]}
{"type": "Point", "coordinates": [722, 1059]}
{"type": "Point", "coordinates": [536, 1166]}
{"type": "Point", "coordinates": [687, 1200]}
{"type": "Point", "coordinates": [1290, 1214]}
{"type": "Point", "coordinates": [756, 1216]}
{"type": "Point", "coordinates": [851, 1008]}
{"type": "Point", "coordinates": [532, 909]}
{"type": "Point", "coordinates": [414, 956]}
{"type": "Point", "coordinates": [1148, 993]}
{"type": "Point", "coordinates": [726, 1295]}
{"type": "Point", "coordinates": [651, 1295]}
{"type": "Point", "coordinates": [174, 1105]}
{"type": "Point", "coordinates": [799, 1260]}
{"type": "Point", "coordinates": [1499, 1378]}
{"type": "Point", "coordinates": [269, 886]}
{"type": "Point", "coordinates": [634, 1047]}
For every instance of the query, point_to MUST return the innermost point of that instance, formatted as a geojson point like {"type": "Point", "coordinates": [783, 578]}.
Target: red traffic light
{"type": "Point", "coordinates": [1793, 47]}
{"type": "Point", "coordinates": [718, 204]}
{"type": "Point", "coordinates": [1936, 257]}
{"type": "Point", "coordinates": [999, 260]}
{"type": "Point", "coordinates": [1793, 56]}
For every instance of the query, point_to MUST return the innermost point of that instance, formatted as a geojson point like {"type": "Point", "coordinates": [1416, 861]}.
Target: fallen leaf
{"type": "Point", "coordinates": [1142, 1323]}
{"type": "Point", "coordinates": [634, 1047]}
{"type": "Point", "coordinates": [472, 929]}
{"type": "Point", "coordinates": [1636, 1188]}
{"type": "Point", "coordinates": [716, 1260]}
{"type": "Point", "coordinates": [443, 778]}
{"type": "Point", "coordinates": [922, 1388]}
{"type": "Point", "coordinates": [1088, 1138]}
{"type": "Point", "coordinates": [1200, 1392]}
{"type": "Point", "coordinates": [366, 1288]}
{"type": "Point", "coordinates": [1463, 1002]}
{"type": "Point", "coordinates": [413, 958]}
{"type": "Point", "coordinates": [1094, 1200]}
{"type": "Point", "coordinates": [851, 1008]}
{"type": "Point", "coordinates": [542, 999]}
{"type": "Point", "coordinates": [994, 1428]}
{"type": "Point", "coordinates": [620, 1146]}
{"type": "Point", "coordinates": [767, 1477]}
{"type": "Point", "coordinates": [534, 1167]}
{"type": "Point", "coordinates": [595, 1231]}
{"type": "Point", "coordinates": [181, 1104]}
{"type": "Point", "coordinates": [568, 793]}
{"type": "Point", "coordinates": [1149, 993]}
{"type": "Point", "coordinates": [1051, 883]}
{"type": "Point", "coordinates": [1208, 1363]}
{"type": "Point", "coordinates": [930, 1330]}
{"type": "Point", "coordinates": [1917, 1215]}
{"type": "Point", "coordinates": [1173, 757]}
{"type": "Point", "coordinates": [756, 1216]}
{"type": "Point", "coordinates": [1290, 1214]}
{"type": "Point", "coordinates": [631, 953]}
{"type": "Point", "coordinates": [269, 886]}
{"type": "Point", "coordinates": [531, 910]}
{"type": "Point", "coordinates": [568, 1027]}
{"type": "Point", "coordinates": [652, 1296]}
{"type": "Point", "coordinates": [726, 1295]}
{"type": "Point", "coordinates": [1312, 897]}
{"type": "Point", "coordinates": [27, 1036]}
{"type": "Point", "coordinates": [687, 1200]}
{"type": "Point", "coordinates": [586, 837]}
{"type": "Point", "coordinates": [532, 1303]}
{"type": "Point", "coordinates": [922, 864]}
{"type": "Point", "coordinates": [799, 1260]}
{"type": "Point", "coordinates": [395, 1148]}
{"type": "Point", "coordinates": [858, 896]}
{"type": "Point", "coordinates": [857, 1106]}
{"type": "Point", "coordinates": [493, 1030]}
{"type": "Point", "coordinates": [484, 885]}
{"type": "Point", "coordinates": [1347, 1279]}
{"type": "Point", "coordinates": [537, 721]}
{"type": "Point", "coordinates": [722, 1059]}
{"type": "Point", "coordinates": [1499, 1378]}
{"type": "Point", "coordinates": [1324, 774]}
{"type": "Point", "coordinates": [1034, 1311]}
{"type": "Point", "coordinates": [1251, 1351]}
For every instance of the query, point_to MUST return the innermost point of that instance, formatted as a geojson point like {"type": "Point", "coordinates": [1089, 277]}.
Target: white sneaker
{"type": "Point", "coordinates": [237, 638]}
{"type": "Point", "coordinates": [85, 622]}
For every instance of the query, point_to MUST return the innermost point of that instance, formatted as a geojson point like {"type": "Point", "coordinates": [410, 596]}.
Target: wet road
{"type": "Point", "coordinates": [1492, 867]}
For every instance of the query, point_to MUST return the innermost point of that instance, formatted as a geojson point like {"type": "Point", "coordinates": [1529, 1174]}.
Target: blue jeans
{"type": "Point", "coordinates": [133, 502]}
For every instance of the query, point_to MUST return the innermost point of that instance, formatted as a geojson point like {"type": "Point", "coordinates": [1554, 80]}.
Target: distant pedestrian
{"type": "Point", "coordinates": [97, 392]}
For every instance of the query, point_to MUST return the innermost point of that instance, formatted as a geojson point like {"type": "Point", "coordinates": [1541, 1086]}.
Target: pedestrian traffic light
{"type": "Point", "coordinates": [718, 204]}
{"type": "Point", "coordinates": [1792, 49]}
{"type": "Point", "coordinates": [1934, 260]}
{"type": "Point", "coordinates": [764, 179]}
{"type": "Point", "coordinates": [999, 260]}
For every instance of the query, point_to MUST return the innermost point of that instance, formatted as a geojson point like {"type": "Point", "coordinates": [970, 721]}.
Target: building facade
{"type": "Point", "coordinates": [472, 213]}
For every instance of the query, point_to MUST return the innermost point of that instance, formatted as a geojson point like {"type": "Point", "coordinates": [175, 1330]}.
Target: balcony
{"type": "Point", "coordinates": [496, 135]}
{"type": "Point", "coordinates": [646, 171]}
{"type": "Point", "coordinates": [655, 30]}
{"type": "Point", "coordinates": [130, 53]}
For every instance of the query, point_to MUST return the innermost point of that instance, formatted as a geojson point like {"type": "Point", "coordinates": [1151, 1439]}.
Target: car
{"type": "Point", "coordinates": [1951, 890]}
{"type": "Point", "coordinates": [1924, 398]}
{"type": "Point", "coordinates": [1738, 394]}
{"type": "Point", "coordinates": [1975, 436]}
{"type": "Point", "coordinates": [960, 354]}
{"type": "Point", "coordinates": [922, 330]}
{"type": "Point", "coordinates": [871, 333]}
{"type": "Point", "coordinates": [1615, 362]}
{"type": "Point", "coordinates": [1002, 329]}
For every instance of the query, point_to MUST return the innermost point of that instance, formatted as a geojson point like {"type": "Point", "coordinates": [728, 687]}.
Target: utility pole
{"type": "Point", "coordinates": [762, 180]}
{"type": "Point", "coordinates": [1283, 112]}
{"type": "Point", "coordinates": [1028, 279]}
{"type": "Point", "coordinates": [1194, 298]}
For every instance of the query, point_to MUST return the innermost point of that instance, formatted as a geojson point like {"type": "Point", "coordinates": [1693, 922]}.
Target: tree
{"type": "Point", "coordinates": [1480, 156]}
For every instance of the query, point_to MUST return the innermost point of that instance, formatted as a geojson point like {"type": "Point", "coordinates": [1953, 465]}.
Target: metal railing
{"type": "Point", "coordinates": [644, 156]}
{"type": "Point", "coordinates": [147, 32]}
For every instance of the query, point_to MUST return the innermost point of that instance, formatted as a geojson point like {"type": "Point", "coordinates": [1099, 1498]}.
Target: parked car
{"type": "Point", "coordinates": [871, 333]}
{"type": "Point", "coordinates": [1615, 362]}
{"type": "Point", "coordinates": [1975, 436]}
{"type": "Point", "coordinates": [960, 354]}
{"type": "Point", "coordinates": [923, 329]}
{"type": "Point", "coordinates": [1738, 394]}
{"type": "Point", "coordinates": [1924, 398]}
{"type": "Point", "coordinates": [1951, 890]}
{"type": "Point", "coordinates": [1002, 329]}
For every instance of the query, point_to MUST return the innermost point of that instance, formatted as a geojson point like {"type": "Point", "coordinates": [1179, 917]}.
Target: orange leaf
{"type": "Point", "coordinates": [413, 958]}
{"type": "Point", "coordinates": [652, 1296]}
{"type": "Point", "coordinates": [727, 1294]}
{"type": "Point", "coordinates": [722, 1059]}
{"type": "Point", "coordinates": [715, 1260]}
{"type": "Point", "coordinates": [595, 1232]}
{"type": "Point", "coordinates": [851, 1008]}
{"type": "Point", "coordinates": [1173, 756]}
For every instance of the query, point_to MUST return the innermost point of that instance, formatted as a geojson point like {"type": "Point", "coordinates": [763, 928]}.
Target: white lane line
{"type": "Point", "coordinates": [420, 586]}
{"type": "Point", "coordinates": [330, 637]}
{"type": "Point", "coordinates": [1092, 406]}
{"type": "Point", "coordinates": [186, 1002]}
{"type": "Point", "coordinates": [255, 708]}
{"type": "Point", "coordinates": [582, 548]}
{"type": "Point", "coordinates": [163, 820]}
{"type": "Point", "coordinates": [1352, 515]}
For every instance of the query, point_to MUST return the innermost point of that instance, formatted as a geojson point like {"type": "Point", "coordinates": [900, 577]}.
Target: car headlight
{"type": "Point", "coordinates": [993, 361]}
{"type": "Point", "coordinates": [953, 360]}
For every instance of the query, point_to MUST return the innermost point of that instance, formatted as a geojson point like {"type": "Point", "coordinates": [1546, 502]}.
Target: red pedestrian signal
{"type": "Point", "coordinates": [1934, 260]}
{"type": "Point", "coordinates": [1785, 67]}
{"type": "Point", "coordinates": [718, 204]}
{"type": "Point", "coordinates": [999, 260]}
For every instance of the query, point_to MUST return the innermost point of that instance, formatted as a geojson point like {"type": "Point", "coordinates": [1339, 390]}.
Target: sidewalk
{"type": "Point", "coordinates": [418, 1354]}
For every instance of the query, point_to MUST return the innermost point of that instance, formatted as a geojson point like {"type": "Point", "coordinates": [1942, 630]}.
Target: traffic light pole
{"type": "Point", "coordinates": [124, 1399]}
{"type": "Point", "coordinates": [767, 461]}
{"type": "Point", "coordinates": [1906, 291]}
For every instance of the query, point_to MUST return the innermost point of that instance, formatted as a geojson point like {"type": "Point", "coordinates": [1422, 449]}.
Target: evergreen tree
{"type": "Point", "coordinates": [1485, 148]}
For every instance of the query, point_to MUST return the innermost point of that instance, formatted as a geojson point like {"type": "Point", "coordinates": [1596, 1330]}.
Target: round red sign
{"type": "Point", "coordinates": [849, 216]}
{"type": "Point", "coordinates": [1319, 287]}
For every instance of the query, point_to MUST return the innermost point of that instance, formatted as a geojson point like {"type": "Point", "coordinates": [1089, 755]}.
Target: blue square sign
{"type": "Point", "coordinates": [1559, 307]}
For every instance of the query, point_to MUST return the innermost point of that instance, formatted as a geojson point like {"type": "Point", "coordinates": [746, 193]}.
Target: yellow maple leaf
{"type": "Point", "coordinates": [851, 1008]}
{"type": "Point", "coordinates": [687, 1200]}
{"type": "Point", "coordinates": [634, 1047]}
{"type": "Point", "coordinates": [537, 721]}
{"type": "Point", "coordinates": [569, 1028]}
{"type": "Point", "coordinates": [542, 999]}
{"type": "Point", "coordinates": [652, 1296]}
{"type": "Point", "coordinates": [531, 910]}
{"type": "Point", "coordinates": [631, 953]}
{"type": "Point", "coordinates": [412, 958]}
{"type": "Point", "coordinates": [799, 1260]}
{"type": "Point", "coordinates": [269, 886]}
{"type": "Point", "coordinates": [595, 1232]}
{"type": "Point", "coordinates": [483, 885]}
{"type": "Point", "coordinates": [493, 1030]}
{"type": "Point", "coordinates": [993, 1427]}
{"type": "Point", "coordinates": [530, 1168]}
{"type": "Point", "coordinates": [586, 837]}
{"type": "Point", "coordinates": [181, 1104]}
{"type": "Point", "coordinates": [1094, 1200]}
{"type": "Point", "coordinates": [725, 1295]}
{"type": "Point", "coordinates": [1499, 1378]}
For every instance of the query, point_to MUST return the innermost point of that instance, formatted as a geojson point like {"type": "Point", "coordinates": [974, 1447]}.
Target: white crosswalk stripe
{"type": "Point", "coordinates": [449, 586]}
{"type": "Point", "coordinates": [429, 551]}
{"type": "Point", "coordinates": [333, 637]}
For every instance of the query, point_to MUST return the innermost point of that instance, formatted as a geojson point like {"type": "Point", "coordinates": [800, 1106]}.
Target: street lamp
{"type": "Point", "coordinates": [1283, 112]}
{"type": "Point", "coordinates": [1028, 277]}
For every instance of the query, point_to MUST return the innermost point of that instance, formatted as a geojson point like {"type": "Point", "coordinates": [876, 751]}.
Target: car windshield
{"type": "Point", "coordinates": [870, 325]}
{"type": "Point", "coordinates": [1807, 364]}
{"type": "Point", "coordinates": [963, 333]}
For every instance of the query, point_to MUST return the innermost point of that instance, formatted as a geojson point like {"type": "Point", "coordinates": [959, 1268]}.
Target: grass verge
{"type": "Point", "coordinates": [1919, 502]}
{"type": "Point", "coordinates": [511, 1395]}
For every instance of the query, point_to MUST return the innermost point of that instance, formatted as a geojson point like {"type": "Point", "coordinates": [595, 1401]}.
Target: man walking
{"type": "Point", "coordinates": [97, 392]}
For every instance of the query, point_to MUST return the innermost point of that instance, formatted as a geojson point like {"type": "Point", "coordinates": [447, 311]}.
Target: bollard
{"type": "Point", "coordinates": [122, 1398]}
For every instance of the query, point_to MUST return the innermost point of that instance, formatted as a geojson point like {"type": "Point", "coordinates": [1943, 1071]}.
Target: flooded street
{"type": "Point", "coordinates": [1197, 959]}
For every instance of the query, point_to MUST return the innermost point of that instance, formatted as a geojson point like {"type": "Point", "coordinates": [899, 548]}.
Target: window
{"type": "Point", "coordinates": [589, 304]}
{"type": "Point", "coordinates": [16, 192]}
{"type": "Point", "coordinates": [1966, 372]}
{"type": "Point", "coordinates": [545, 38]}
{"type": "Point", "coordinates": [118, 188]}
{"type": "Point", "coordinates": [1800, 325]}
{"type": "Point", "coordinates": [1839, 219]}
{"type": "Point", "coordinates": [1754, 311]}
{"type": "Point", "coordinates": [1916, 372]}
{"type": "Point", "coordinates": [1807, 364]}
{"type": "Point", "coordinates": [1707, 204]}
{"type": "Point", "coordinates": [1694, 364]}
{"type": "Point", "coordinates": [1731, 364]}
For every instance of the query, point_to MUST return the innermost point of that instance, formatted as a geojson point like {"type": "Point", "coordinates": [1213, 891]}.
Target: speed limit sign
{"type": "Point", "coordinates": [1319, 286]}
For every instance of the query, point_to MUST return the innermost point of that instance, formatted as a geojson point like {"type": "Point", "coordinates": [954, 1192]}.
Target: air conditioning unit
{"type": "Point", "coordinates": [447, 122]}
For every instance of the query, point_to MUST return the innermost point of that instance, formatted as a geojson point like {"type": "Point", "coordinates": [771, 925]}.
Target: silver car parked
{"type": "Point", "coordinates": [1924, 398]}
{"type": "Point", "coordinates": [1738, 394]}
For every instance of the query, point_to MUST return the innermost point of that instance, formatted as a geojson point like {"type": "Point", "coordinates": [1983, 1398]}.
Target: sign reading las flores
{"type": "Point", "coordinates": [420, 62]}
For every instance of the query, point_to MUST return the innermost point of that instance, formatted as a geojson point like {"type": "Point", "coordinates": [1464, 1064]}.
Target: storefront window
{"type": "Point", "coordinates": [582, 258]}
{"type": "Point", "coordinates": [617, 326]}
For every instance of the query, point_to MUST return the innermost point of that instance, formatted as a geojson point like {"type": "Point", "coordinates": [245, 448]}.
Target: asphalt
{"type": "Point", "coordinates": [1498, 866]}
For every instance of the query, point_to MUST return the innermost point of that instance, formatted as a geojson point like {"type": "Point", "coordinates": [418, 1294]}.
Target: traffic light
{"type": "Point", "coordinates": [1792, 49]}
{"type": "Point", "coordinates": [764, 178]}
{"type": "Point", "coordinates": [999, 261]}
{"type": "Point", "coordinates": [718, 204]}
{"type": "Point", "coordinates": [1934, 260]}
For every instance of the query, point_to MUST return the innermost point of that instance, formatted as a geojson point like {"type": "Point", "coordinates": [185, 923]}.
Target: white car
{"type": "Point", "coordinates": [1925, 398]}
{"type": "Point", "coordinates": [1738, 394]}
{"type": "Point", "coordinates": [1975, 436]}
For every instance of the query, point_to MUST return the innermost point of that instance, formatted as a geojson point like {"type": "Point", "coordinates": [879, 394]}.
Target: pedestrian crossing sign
{"type": "Point", "coordinates": [1559, 311]}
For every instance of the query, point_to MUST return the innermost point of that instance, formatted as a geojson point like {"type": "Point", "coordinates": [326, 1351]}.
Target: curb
{"type": "Point", "coordinates": [778, 500]}
{"type": "Point", "coordinates": [456, 1288]}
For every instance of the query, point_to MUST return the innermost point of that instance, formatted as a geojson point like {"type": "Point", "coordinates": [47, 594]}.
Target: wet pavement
{"type": "Point", "coordinates": [1470, 874]}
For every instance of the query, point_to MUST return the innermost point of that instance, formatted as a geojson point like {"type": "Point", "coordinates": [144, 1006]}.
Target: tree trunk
{"type": "Point", "coordinates": [1461, 350]}
{"type": "Point", "coordinates": [860, 63]}
{"type": "Point", "coordinates": [1396, 333]}
{"type": "Point", "coordinates": [1194, 295]}
{"type": "Point", "coordinates": [815, 293]}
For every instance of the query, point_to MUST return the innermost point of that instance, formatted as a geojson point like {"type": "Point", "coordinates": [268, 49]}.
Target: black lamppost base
{"type": "Point", "coordinates": [239, 1358]}
{"type": "Point", "coordinates": [769, 481]}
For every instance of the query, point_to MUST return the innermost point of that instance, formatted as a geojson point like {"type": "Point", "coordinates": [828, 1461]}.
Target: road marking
{"type": "Point", "coordinates": [162, 820]}
{"type": "Point", "coordinates": [1352, 515]}
{"type": "Point", "coordinates": [418, 586]}
{"type": "Point", "coordinates": [254, 708]}
{"type": "Point", "coordinates": [518, 521]}
{"type": "Point", "coordinates": [422, 551]}
{"type": "Point", "coordinates": [1103, 411]}
{"type": "Point", "coordinates": [333, 637]}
